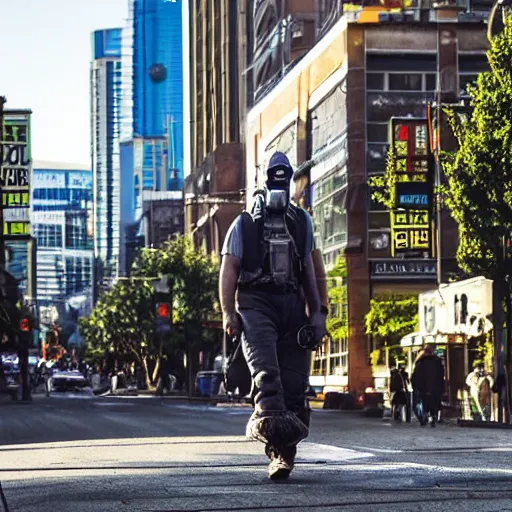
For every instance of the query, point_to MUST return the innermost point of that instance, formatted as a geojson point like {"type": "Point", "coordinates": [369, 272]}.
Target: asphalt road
{"type": "Point", "coordinates": [145, 454]}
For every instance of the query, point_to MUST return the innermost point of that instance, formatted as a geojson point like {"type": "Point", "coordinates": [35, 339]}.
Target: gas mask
{"type": "Point", "coordinates": [277, 200]}
{"type": "Point", "coordinates": [277, 197]}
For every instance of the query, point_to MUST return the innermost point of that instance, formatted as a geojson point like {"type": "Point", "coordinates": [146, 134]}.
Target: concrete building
{"type": "Point", "coordinates": [62, 216]}
{"type": "Point", "coordinates": [330, 114]}
{"type": "Point", "coordinates": [239, 51]}
{"type": "Point", "coordinates": [105, 125]}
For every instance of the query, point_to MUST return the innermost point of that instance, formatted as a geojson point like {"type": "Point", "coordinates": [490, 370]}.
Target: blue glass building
{"type": "Point", "coordinates": [62, 216]}
{"type": "Point", "coordinates": [106, 96]}
{"type": "Point", "coordinates": [152, 128]}
{"type": "Point", "coordinates": [158, 80]}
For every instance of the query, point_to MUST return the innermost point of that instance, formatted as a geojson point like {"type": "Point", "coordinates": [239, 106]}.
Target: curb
{"type": "Point", "coordinates": [484, 424]}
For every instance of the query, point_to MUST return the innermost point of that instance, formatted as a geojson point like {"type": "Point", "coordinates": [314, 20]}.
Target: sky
{"type": "Point", "coordinates": [46, 53]}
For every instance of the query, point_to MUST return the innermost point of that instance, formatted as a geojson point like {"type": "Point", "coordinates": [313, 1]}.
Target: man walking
{"type": "Point", "coordinates": [267, 263]}
{"type": "Point", "coordinates": [428, 384]}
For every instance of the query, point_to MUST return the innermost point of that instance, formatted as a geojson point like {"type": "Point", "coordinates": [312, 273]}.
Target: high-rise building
{"type": "Point", "coordinates": [62, 215]}
{"type": "Point", "coordinates": [152, 129]}
{"type": "Point", "coordinates": [105, 128]}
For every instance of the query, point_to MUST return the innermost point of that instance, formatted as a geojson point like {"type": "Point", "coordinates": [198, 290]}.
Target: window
{"type": "Point", "coordinates": [377, 132]}
{"type": "Point", "coordinates": [375, 81]}
{"type": "Point", "coordinates": [465, 80]}
{"type": "Point", "coordinates": [405, 81]}
{"type": "Point", "coordinates": [431, 81]}
{"type": "Point", "coordinates": [328, 119]}
{"type": "Point", "coordinates": [78, 274]}
{"type": "Point", "coordinates": [48, 235]}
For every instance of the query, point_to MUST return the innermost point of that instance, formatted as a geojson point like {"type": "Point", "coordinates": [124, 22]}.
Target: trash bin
{"type": "Point", "coordinates": [208, 383]}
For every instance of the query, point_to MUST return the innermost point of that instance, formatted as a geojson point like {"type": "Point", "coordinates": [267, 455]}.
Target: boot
{"type": "Point", "coordinates": [281, 462]}
{"type": "Point", "coordinates": [277, 428]}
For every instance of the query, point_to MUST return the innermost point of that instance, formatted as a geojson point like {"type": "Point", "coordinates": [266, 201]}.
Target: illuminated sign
{"type": "Point", "coordinates": [15, 174]}
{"type": "Point", "coordinates": [411, 240]}
{"type": "Point", "coordinates": [16, 228]}
{"type": "Point", "coordinates": [411, 227]}
{"type": "Point", "coordinates": [410, 231]}
{"type": "Point", "coordinates": [415, 195]}
{"type": "Point", "coordinates": [15, 199]}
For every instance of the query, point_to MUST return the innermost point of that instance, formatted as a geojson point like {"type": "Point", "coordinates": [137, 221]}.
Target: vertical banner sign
{"type": "Point", "coordinates": [411, 220]}
{"type": "Point", "coordinates": [15, 174]}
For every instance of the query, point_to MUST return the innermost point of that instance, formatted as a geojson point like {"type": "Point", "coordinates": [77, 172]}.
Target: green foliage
{"type": "Point", "coordinates": [391, 317]}
{"type": "Point", "coordinates": [337, 324]}
{"type": "Point", "coordinates": [123, 321]}
{"type": "Point", "coordinates": [384, 187]}
{"type": "Point", "coordinates": [192, 278]}
{"type": "Point", "coordinates": [479, 174]}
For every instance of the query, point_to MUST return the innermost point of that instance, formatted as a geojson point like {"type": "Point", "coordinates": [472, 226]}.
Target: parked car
{"type": "Point", "coordinates": [71, 383]}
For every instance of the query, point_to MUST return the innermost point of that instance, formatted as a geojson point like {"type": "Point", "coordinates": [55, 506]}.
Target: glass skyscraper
{"type": "Point", "coordinates": [155, 28]}
{"type": "Point", "coordinates": [106, 96]}
{"type": "Point", "coordinates": [62, 211]}
{"type": "Point", "coordinates": [152, 128]}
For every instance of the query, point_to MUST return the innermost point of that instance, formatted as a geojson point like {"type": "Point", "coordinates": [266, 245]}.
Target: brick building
{"type": "Point", "coordinates": [330, 113]}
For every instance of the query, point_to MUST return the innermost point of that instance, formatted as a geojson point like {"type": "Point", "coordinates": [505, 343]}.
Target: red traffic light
{"type": "Point", "coordinates": [163, 310]}
{"type": "Point", "coordinates": [24, 324]}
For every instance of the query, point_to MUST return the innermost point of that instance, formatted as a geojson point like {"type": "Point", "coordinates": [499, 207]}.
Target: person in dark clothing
{"type": "Point", "coordinates": [428, 385]}
{"type": "Point", "coordinates": [268, 264]}
{"type": "Point", "coordinates": [398, 390]}
{"type": "Point", "coordinates": [407, 390]}
{"type": "Point", "coordinates": [164, 381]}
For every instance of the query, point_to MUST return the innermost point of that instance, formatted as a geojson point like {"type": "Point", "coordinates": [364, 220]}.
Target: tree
{"type": "Point", "coordinates": [478, 188]}
{"type": "Point", "coordinates": [193, 285]}
{"type": "Point", "coordinates": [122, 323]}
{"type": "Point", "coordinates": [389, 319]}
{"type": "Point", "coordinates": [337, 324]}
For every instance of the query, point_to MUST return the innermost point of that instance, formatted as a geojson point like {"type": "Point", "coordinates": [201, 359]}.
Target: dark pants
{"type": "Point", "coordinates": [431, 405]}
{"type": "Point", "coordinates": [279, 366]}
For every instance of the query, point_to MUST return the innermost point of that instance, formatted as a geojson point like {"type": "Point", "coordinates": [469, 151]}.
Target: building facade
{"type": "Point", "coordinates": [16, 183]}
{"type": "Point", "coordinates": [331, 115]}
{"type": "Point", "coordinates": [220, 91]}
{"type": "Point", "coordinates": [239, 51]}
{"type": "Point", "coordinates": [106, 95]}
{"type": "Point", "coordinates": [62, 213]}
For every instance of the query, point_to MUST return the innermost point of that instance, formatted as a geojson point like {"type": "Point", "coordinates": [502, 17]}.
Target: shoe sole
{"type": "Point", "coordinates": [280, 474]}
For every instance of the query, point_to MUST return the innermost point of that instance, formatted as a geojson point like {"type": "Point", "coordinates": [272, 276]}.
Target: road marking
{"type": "Point", "coordinates": [308, 452]}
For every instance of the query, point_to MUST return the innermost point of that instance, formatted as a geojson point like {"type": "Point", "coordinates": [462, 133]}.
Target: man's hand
{"type": "Point", "coordinates": [231, 324]}
{"type": "Point", "coordinates": [317, 320]}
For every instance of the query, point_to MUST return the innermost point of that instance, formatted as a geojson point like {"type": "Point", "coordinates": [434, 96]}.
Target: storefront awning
{"type": "Point", "coordinates": [412, 340]}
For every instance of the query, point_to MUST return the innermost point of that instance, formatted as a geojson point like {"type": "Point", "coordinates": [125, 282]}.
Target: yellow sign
{"type": "Point", "coordinates": [16, 228]}
{"type": "Point", "coordinates": [410, 219]}
{"type": "Point", "coordinates": [15, 199]}
{"type": "Point", "coordinates": [410, 231]}
{"type": "Point", "coordinates": [411, 240]}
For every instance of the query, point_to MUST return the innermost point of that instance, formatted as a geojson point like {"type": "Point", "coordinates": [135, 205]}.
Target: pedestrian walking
{"type": "Point", "coordinates": [267, 262]}
{"type": "Point", "coordinates": [428, 386]}
{"type": "Point", "coordinates": [398, 393]}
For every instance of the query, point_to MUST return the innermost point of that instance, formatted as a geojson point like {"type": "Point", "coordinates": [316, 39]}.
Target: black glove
{"type": "Point", "coordinates": [310, 336]}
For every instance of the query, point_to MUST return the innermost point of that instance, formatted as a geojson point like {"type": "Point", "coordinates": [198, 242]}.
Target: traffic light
{"type": "Point", "coordinates": [25, 324]}
{"type": "Point", "coordinates": [163, 318]}
{"type": "Point", "coordinates": [163, 310]}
